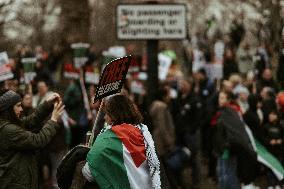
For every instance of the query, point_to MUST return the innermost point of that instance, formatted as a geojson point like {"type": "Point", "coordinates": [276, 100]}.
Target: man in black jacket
{"type": "Point", "coordinates": [187, 113]}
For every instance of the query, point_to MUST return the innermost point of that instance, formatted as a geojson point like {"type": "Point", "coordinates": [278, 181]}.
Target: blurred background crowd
{"type": "Point", "coordinates": [235, 61]}
{"type": "Point", "coordinates": [184, 115]}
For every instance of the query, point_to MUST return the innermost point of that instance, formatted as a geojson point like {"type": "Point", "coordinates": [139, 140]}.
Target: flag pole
{"type": "Point", "coordinates": [98, 125]}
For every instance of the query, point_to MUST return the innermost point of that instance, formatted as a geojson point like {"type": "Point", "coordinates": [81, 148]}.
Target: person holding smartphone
{"type": "Point", "coordinates": [20, 138]}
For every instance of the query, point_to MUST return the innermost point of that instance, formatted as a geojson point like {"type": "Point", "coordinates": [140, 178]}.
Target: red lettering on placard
{"type": "Point", "coordinates": [118, 65]}
{"type": "Point", "coordinates": [122, 69]}
{"type": "Point", "coordinates": [111, 73]}
{"type": "Point", "coordinates": [104, 78]}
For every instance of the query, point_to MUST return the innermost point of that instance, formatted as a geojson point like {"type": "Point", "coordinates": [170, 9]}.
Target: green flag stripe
{"type": "Point", "coordinates": [106, 162]}
{"type": "Point", "coordinates": [271, 161]}
{"type": "Point", "coordinates": [265, 157]}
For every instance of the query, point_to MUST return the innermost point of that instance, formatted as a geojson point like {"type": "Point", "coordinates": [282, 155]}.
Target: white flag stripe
{"type": "Point", "coordinates": [260, 159]}
{"type": "Point", "coordinates": [138, 177]}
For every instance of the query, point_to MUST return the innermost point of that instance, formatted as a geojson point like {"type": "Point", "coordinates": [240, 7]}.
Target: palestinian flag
{"type": "Point", "coordinates": [118, 159]}
{"type": "Point", "coordinates": [265, 157]}
{"type": "Point", "coordinates": [239, 134]}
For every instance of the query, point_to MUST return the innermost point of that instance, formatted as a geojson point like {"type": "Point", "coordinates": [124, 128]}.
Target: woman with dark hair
{"type": "Point", "coordinates": [162, 122]}
{"type": "Point", "coordinates": [18, 163]}
{"type": "Point", "coordinates": [164, 132]}
{"type": "Point", "coordinates": [123, 155]}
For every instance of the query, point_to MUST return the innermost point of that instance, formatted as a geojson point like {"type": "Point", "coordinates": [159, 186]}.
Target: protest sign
{"type": "Point", "coordinates": [214, 71]}
{"type": "Point", "coordinates": [112, 53]}
{"type": "Point", "coordinates": [92, 75]}
{"type": "Point", "coordinates": [70, 71]}
{"type": "Point", "coordinates": [115, 51]}
{"type": "Point", "coordinates": [29, 68]}
{"type": "Point", "coordinates": [80, 54]}
{"type": "Point", "coordinates": [5, 70]}
{"type": "Point", "coordinates": [164, 65]}
{"type": "Point", "coordinates": [137, 87]}
{"type": "Point", "coordinates": [113, 77]}
{"type": "Point", "coordinates": [3, 58]}
{"type": "Point", "coordinates": [144, 21]}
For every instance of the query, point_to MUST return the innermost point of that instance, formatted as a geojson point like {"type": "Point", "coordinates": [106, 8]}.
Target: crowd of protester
{"type": "Point", "coordinates": [185, 119]}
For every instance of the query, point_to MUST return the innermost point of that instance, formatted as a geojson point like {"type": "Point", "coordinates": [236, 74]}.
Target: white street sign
{"type": "Point", "coordinates": [158, 21]}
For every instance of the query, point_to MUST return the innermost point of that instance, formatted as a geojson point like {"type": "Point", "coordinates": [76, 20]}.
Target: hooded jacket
{"type": "Point", "coordinates": [18, 146]}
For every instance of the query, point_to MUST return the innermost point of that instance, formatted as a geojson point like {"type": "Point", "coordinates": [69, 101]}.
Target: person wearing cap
{"type": "Point", "coordinates": [21, 138]}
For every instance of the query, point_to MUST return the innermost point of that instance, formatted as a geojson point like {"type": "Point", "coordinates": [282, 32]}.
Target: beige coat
{"type": "Point", "coordinates": [163, 127]}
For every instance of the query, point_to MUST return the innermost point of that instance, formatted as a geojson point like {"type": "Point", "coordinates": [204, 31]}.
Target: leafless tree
{"type": "Point", "coordinates": [38, 17]}
{"type": "Point", "coordinates": [4, 11]}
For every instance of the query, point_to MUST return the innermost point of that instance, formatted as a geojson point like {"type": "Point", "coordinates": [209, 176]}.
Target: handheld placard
{"type": "Point", "coordinates": [113, 77]}
{"type": "Point", "coordinates": [111, 82]}
{"type": "Point", "coordinates": [29, 68]}
{"type": "Point", "coordinates": [5, 69]}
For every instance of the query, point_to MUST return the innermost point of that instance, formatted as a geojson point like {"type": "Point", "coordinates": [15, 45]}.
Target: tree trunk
{"type": "Point", "coordinates": [275, 24]}
{"type": "Point", "coordinates": [275, 31]}
{"type": "Point", "coordinates": [74, 21]}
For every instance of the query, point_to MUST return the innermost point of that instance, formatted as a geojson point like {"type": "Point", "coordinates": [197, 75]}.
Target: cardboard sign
{"type": "Point", "coordinates": [29, 68]}
{"type": "Point", "coordinates": [113, 77]}
{"type": "Point", "coordinates": [5, 70]}
{"type": "Point", "coordinates": [70, 71]}
{"type": "Point", "coordinates": [80, 54]}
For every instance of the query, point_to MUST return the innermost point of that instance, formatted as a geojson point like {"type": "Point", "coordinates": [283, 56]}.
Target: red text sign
{"type": "Point", "coordinates": [113, 77]}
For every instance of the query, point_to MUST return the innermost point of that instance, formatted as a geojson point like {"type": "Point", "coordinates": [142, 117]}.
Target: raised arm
{"type": "Point", "coordinates": [16, 138]}
{"type": "Point", "coordinates": [34, 121]}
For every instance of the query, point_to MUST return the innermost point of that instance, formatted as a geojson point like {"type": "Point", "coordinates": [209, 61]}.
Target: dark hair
{"type": "Point", "coordinates": [47, 84]}
{"type": "Point", "coordinates": [9, 114]}
{"type": "Point", "coordinates": [162, 91]}
{"type": "Point", "coordinates": [252, 101]}
{"type": "Point", "coordinates": [122, 110]}
{"type": "Point", "coordinates": [230, 96]}
{"type": "Point", "coordinates": [202, 71]}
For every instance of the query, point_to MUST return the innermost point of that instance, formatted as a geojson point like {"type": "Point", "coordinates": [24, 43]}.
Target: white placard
{"type": "Point", "coordinates": [5, 70]}
{"type": "Point", "coordinates": [4, 58]}
{"type": "Point", "coordinates": [29, 68]}
{"type": "Point", "coordinates": [92, 77]}
{"type": "Point", "coordinates": [164, 65]}
{"type": "Point", "coordinates": [163, 21]}
{"type": "Point", "coordinates": [137, 87]}
{"type": "Point", "coordinates": [214, 71]}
